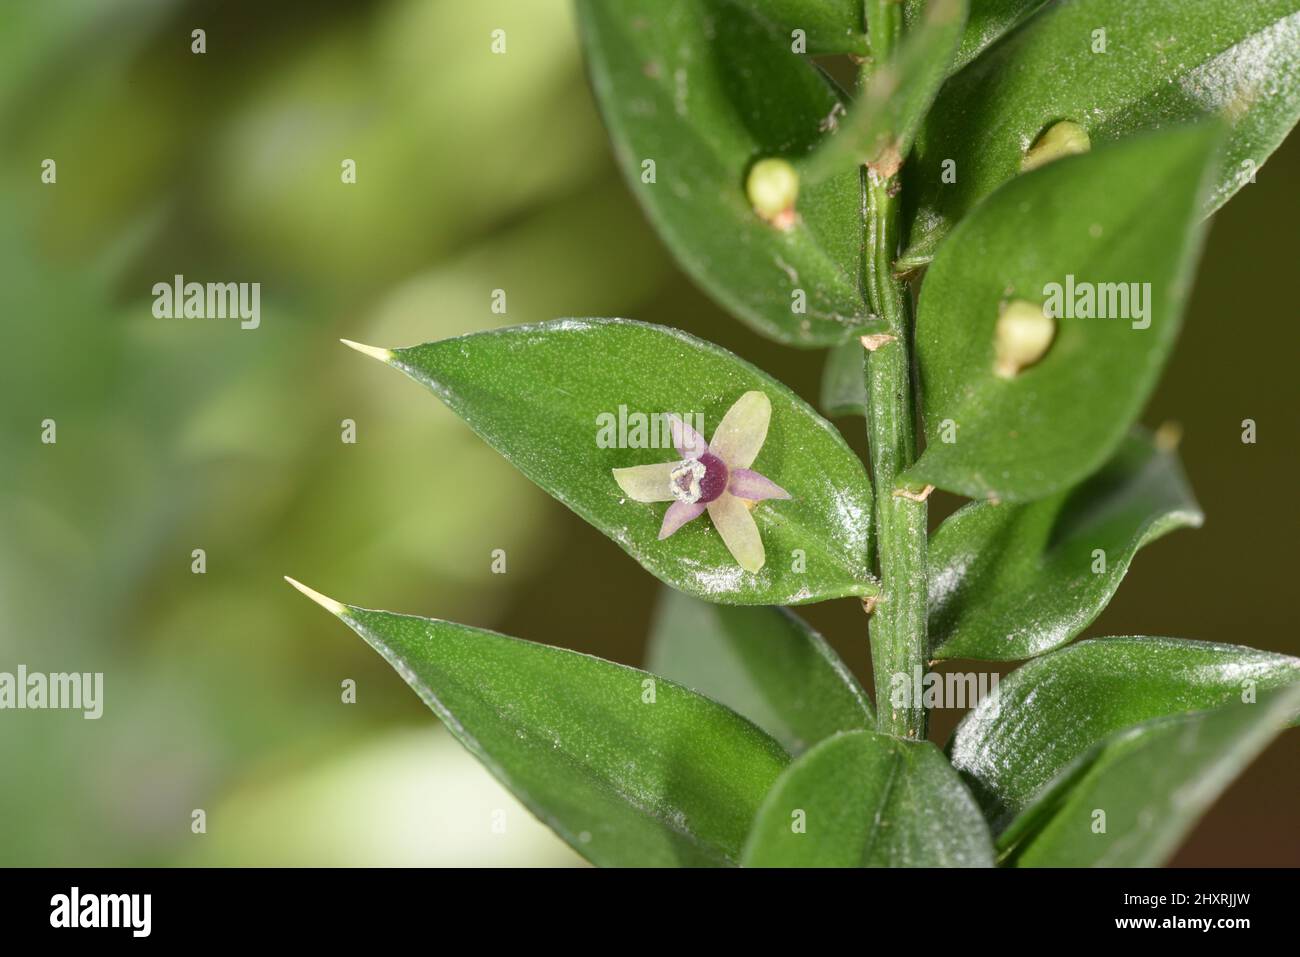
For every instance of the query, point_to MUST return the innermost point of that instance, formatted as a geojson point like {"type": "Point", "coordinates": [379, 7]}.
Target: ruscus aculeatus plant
{"type": "Point", "coordinates": [993, 232]}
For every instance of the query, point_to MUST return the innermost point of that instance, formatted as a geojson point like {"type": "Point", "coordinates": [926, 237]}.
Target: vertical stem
{"type": "Point", "coordinates": [897, 627]}
{"type": "Point", "coordinates": [884, 27]}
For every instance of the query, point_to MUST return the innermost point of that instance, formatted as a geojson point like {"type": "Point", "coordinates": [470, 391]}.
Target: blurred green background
{"type": "Point", "coordinates": [475, 172]}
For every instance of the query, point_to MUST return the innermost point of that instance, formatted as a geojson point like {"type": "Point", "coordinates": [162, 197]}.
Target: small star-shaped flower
{"type": "Point", "coordinates": [716, 477]}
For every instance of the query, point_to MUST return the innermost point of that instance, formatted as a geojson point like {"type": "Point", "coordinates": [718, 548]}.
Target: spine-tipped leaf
{"type": "Point", "coordinates": [570, 401]}
{"type": "Point", "coordinates": [629, 769]}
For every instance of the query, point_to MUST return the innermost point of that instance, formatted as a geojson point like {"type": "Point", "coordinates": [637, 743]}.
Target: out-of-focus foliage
{"type": "Point", "coordinates": [475, 172]}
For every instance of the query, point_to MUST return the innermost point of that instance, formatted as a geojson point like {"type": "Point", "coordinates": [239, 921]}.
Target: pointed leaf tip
{"type": "Point", "coordinates": [375, 352]}
{"type": "Point", "coordinates": [329, 604]}
{"type": "Point", "coordinates": [578, 369]}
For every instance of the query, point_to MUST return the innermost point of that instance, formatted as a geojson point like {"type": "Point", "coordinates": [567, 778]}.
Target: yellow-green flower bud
{"type": "Point", "coordinates": [772, 188]}
{"type": "Point", "coordinates": [1060, 139]}
{"type": "Point", "coordinates": [1023, 333]}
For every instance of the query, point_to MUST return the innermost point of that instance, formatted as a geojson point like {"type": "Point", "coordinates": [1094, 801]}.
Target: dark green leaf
{"type": "Point", "coordinates": [879, 127]}
{"type": "Point", "coordinates": [704, 91]}
{"type": "Point", "coordinates": [1152, 781]}
{"type": "Point", "coordinates": [987, 21]}
{"type": "Point", "coordinates": [863, 799]}
{"type": "Point", "coordinates": [537, 394]}
{"type": "Point", "coordinates": [1054, 708]}
{"type": "Point", "coordinates": [629, 769]}
{"type": "Point", "coordinates": [844, 384]}
{"type": "Point", "coordinates": [829, 26]}
{"type": "Point", "coordinates": [765, 664]}
{"type": "Point", "coordinates": [1120, 221]}
{"type": "Point", "coordinates": [1166, 62]}
{"type": "Point", "coordinates": [1013, 581]}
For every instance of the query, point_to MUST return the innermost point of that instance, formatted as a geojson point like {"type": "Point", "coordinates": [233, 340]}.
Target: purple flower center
{"type": "Point", "coordinates": [699, 480]}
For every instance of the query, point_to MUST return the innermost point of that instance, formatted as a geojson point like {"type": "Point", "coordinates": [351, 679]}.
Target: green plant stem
{"type": "Point", "coordinates": [884, 27]}
{"type": "Point", "coordinates": [897, 627]}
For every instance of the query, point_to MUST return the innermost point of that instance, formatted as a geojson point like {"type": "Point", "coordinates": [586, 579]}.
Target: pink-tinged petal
{"type": "Point", "coordinates": [678, 514]}
{"type": "Point", "coordinates": [742, 430]}
{"type": "Point", "coordinates": [647, 483]}
{"type": "Point", "coordinates": [746, 483]}
{"type": "Point", "coordinates": [690, 444]}
{"type": "Point", "coordinates": [738, 530]}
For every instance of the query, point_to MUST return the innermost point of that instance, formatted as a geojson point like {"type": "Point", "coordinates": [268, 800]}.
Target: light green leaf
{"type": "Point", "coordinates": [987, 21]}
{"type": "Point", "coordinates": [1013, 581]}
{"type": "Point", "coordinates": [1165, 62]}
{"type": "Point", "coordinates": [1054, 708]}
{"type": "Point", "coordinates": [765, 664]}
{"type": "Point", "coordinates": [844, 384]}
{"type": "Point", "coordinates": [1152, 781]}
{"type": "Point", "coordinates": [703, 90]}
{"type": "Point", "coordinates": [829, 26]}
{"type": "Point", "coordinates": [1120, 223]}
{"type": "Point", "coordinates": [631, 770]}
{"type": "Point", "coordinates": [878, 129]}
{"type": "Point", "coordinates": [549, 396]}
{"type": "Point", "coordinates": [862, 799]}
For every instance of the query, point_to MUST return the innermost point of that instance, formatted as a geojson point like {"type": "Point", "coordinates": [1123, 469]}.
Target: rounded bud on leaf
{"type": "Point", "coordinates": [1023, 333]}
{"type": "Point", "coordinates": [1060, 139]}
{"type": "Point", "coordinates": [772, 188]}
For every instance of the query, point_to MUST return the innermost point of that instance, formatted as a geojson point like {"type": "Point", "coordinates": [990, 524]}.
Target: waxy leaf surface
{"type": "Point", "coordinates": [550, 396]}
{"type": "Point", "coordinates": [766, 664]}
{"type": "Point", "coordinates": [1118, 227]}
{"type": "Point", "coordinates": [1013, 581]}
{"type": "Point", "coordinates": [1053, 709]}
{"type": "Point", "coordinates": [1152, 781]}
{"type": "Point", "coordinates": [863, 799]}
{"type": "Point", "coordinates": [987, 21]}
{"type": "Point", "coordinates": [1164, 62]}
{"type": "Point", "coordinates": [829, 26]}
{"type": "Point", "coordinates": [629, 769]}
{"type": "Point", "coordinates": [703, 90]}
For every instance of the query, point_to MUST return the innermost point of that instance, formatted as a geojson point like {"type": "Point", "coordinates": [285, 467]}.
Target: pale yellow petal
{"type": "Point", "coordinates": [646, 483]}
{"type": "Point", "coordinates": [739, 532]}
{"type": "Point", "coordinates": [742, 430]}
